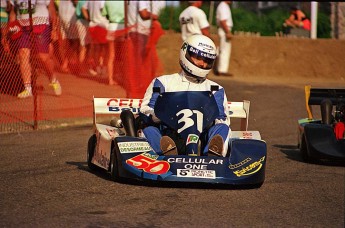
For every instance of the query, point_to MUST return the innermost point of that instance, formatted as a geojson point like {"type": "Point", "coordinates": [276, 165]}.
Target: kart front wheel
{"type": "Point", "coordinates": [114, 167]}
{"type": "Point", "coordinates": [91, 151]}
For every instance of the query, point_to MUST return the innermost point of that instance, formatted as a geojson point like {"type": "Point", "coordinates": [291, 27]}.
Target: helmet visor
{"type": "Point", "coordinates": [200, 58]}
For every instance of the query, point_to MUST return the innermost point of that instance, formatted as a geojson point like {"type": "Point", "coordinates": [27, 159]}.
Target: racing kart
{"type": "Point", "coordinates": [322, 139]}
{"type": "Point", "coordinates": [119, 150]}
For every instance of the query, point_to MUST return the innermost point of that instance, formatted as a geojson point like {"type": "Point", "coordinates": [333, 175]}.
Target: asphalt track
{"type": "Point", "coordinates": [45, 181]}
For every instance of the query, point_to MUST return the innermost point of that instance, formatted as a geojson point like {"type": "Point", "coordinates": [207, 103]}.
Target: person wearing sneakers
{"type": "Point", "coordinates": [44, 29]}
{"type": "Point", "coordinates": [197, 56]}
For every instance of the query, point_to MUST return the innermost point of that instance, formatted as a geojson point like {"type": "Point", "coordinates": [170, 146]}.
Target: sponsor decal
{"type": "Point", "coordinates": [149, 164]}
{"type": "Point", "coordinates": [196, 163]}
{"type": "Point", "coordinates": [250, 169]}
{"type": "Point", "coordinates": [117, 105]}
{"type": "Point", "coordinates": [99, 156]}
{"type": "Point", "coordinates": [192, 138]}
{"type": "Point", "coordinates": [101, 159]}
{"type": "Point", "coordinates": [111, 132]}
{"type": "Point", "coordinates": [208, 174]}
{"type": "Point", "coordinates": [134, 147]}
{"type": "Point", "coordinates": [237, 165]}
{"type": "Point", "coordinates": [186, 20]}
{"type": "Point", "coordinates": [247, 135]}
{"type": "Point", "coordinates": [209, 47]}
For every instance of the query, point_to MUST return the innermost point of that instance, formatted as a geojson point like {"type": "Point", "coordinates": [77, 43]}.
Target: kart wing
{"type": "Point", "coordinates": [314, 96]}
{"type": "Point", "coordinates": [114, 106]}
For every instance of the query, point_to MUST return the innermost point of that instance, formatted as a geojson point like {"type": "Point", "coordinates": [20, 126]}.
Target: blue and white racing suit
{"type": "Point", "coordinates": [178, 83]}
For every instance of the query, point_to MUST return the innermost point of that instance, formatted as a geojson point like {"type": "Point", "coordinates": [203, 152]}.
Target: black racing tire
{"type": "Point", "coordinates": [304, 150]}
{"type": "Point", "coordinates": [114, 165]}
{"type": "Point", "coordinates": [91, 151]}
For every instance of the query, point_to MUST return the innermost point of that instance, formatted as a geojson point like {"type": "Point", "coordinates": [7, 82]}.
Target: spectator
{"type": "Point", "coordinates": [139, 22]}
{"type": "Point", "coordinates": [72, 30]}
{"type": "Point", "coordinates": [193, 20]}
{"type": "Point", "coordinates": [225, 24]}
{"type": "Point", "coordinates": [197, 56]}
{"type": "Point", "coordinates": [5, 8]}
{"type": "Point", "coordinates": [156, 32]}
{"type": "Point", "coordinates": [44, 29]}
{"type": "Point", "coordinates": [92, 11]}
{"type": "Point", "coordinates": [67, 19]}
{"type": "Point", "coordinates": [115, 12]}
{"type": "Point", "coordinates": [139, 16]}
{"type": "Point", "coordinates": [83, 31]}
{"type": "Point", "coordinates": [297, 19]}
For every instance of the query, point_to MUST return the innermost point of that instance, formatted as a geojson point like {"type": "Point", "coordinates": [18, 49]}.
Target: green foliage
{"type": "Point", "coordinates": [323, 26]}
{"type": "Point", "coordinates": [267, 24]}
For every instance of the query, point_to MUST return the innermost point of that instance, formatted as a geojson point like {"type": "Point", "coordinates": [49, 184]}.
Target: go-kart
{"type": "Point", "coordinates": [323, 139]}
{"type": "Point", "coordinates": [119, 150]}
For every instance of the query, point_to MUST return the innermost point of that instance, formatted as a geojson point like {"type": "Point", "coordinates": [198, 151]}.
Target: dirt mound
{"type": "Point", "coordinates": [271, 57]}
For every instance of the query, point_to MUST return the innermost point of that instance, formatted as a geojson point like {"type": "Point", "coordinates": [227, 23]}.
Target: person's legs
{"type": "Point", "coordinates": [153, 136]}
{"type": "Point", "coordinates": [222, 130]}
{"type": "Point", "coordinates": [42, 42]}
{"type": "Point", "coordinates": [24, 52]}
{"type": "Point", "coordinates": [111, 48]}
{"type": "Point", "coordinates": [25, 70]}
{"type": "Point", "coordinates": [224, 53]}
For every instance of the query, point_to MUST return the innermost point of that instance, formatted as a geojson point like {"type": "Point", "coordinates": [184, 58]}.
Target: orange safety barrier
{"type": "Point", "coordinates": [81, 77]}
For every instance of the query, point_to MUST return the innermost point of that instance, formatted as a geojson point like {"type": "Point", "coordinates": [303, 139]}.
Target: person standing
{"type": "Point", "coordinates": [139, 22]}
{"type": "Point", "coordinates": [193, 20]}
{"type": "Point", "coordinates": [225, 24]}
{"type": "Point", "coordinates": [98, 24]}
{"type": "Point", "coordinates": [43, 31]}
{"type": "Point", "coordinates": [115, 12]}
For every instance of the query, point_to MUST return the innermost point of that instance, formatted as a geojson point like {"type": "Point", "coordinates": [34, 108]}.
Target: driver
{"type": "Point", "coordinates": [197, 55]}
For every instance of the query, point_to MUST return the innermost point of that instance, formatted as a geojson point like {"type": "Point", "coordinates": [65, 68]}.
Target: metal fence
{"type": "Point", "coordinates": [83, 70]}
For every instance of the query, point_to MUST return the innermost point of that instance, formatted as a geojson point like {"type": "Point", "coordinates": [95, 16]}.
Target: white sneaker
{"type": "Point", "coordinates": [25, 93]}
{"type": "Point", "coordinates": [92, 72]}
{"type": "Point", "coordinates": [56, 87]}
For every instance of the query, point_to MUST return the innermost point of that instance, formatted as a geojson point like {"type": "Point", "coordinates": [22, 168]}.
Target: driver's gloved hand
{"type": "Point", "coordinates": [155, 118]}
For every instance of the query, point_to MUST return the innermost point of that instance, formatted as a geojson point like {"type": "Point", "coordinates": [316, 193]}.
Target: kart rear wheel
{"type": "Point", "coordinates": [91, 151]}
{"type": "Point", "coordinates": [114, 167]}
{"type": "Point", "coordinates": [304, 149]}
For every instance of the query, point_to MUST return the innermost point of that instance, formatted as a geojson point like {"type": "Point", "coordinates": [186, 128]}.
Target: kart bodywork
{"type": "Point", "coordinates": [117, 148]}
{"type": "Point", "coordinates": [316, 137]}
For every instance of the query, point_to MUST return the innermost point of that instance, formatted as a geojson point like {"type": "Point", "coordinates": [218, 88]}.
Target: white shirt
{"type": "Point", "coordinates": [157, 6]}
{"type": "Point", "coordinates": [178, 83]}
{"type": "Point", "coordinates": [66, 10]}
{"type": "Point", "coordinates": [224, 13]}
{"type": "Point", "coordinates": [143, 26]}
{"type": "Point", "coordinates": [95, 13]}
{"type": "Point", "coordinates": [192, 20]}
{"type": "Point", "coordinates": [39, 8]}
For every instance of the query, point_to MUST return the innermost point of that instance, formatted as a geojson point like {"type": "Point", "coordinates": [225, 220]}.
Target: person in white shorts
{"type": "Point", "coordinates": [92, 11]}
{"type": "Point", "coordinates": [225, 24]}
{"type": "Point", "coordinates": [193, 21]}
{"type": "Point", "coordinates": [69, 32]}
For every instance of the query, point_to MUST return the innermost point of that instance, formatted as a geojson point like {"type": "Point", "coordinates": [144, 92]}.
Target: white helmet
{"type": "Point", "coordinates": [200, 47]}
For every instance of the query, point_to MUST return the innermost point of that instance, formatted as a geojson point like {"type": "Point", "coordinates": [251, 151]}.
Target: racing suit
{"type": "Point", "coordinates": [178, 83]}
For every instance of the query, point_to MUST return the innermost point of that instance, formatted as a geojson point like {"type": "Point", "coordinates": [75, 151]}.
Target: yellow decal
{"type": "Point", "coordinates": [250, 169]}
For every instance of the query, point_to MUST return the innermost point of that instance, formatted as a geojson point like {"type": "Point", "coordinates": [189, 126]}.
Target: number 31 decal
{"type": "Point", "coordinates": [188, 121]}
